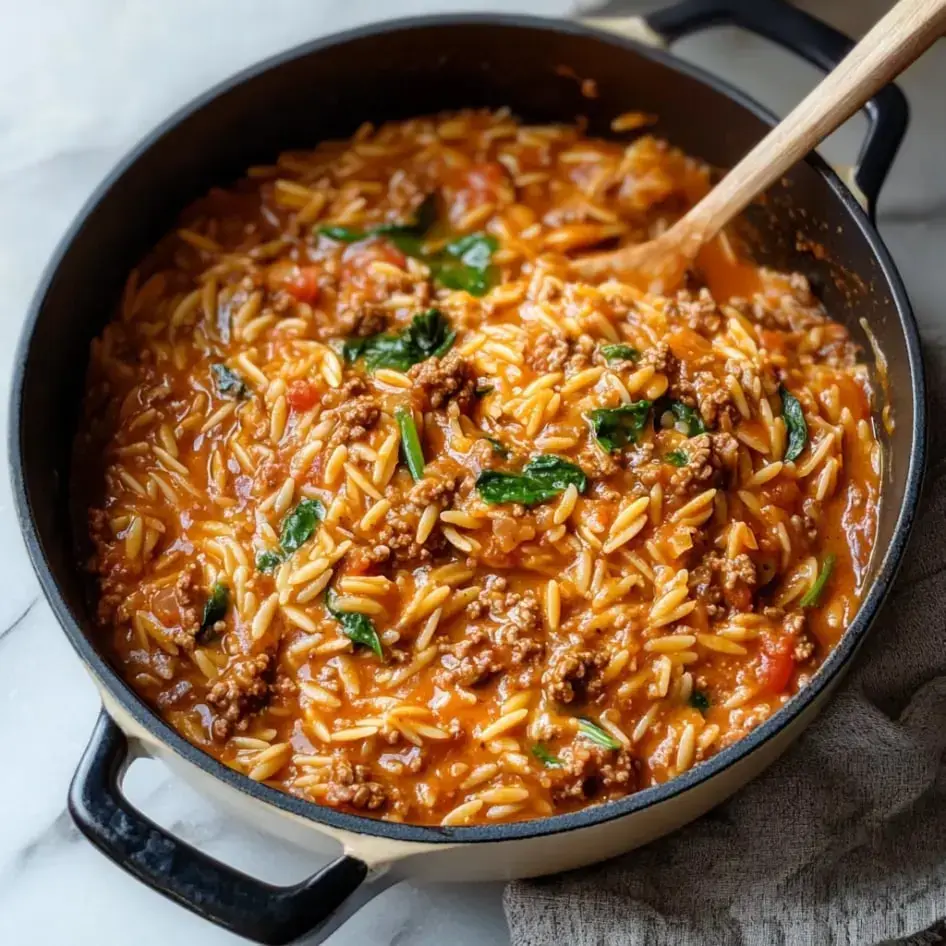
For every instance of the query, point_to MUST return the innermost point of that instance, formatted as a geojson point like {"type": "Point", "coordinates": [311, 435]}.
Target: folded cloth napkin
{"type": "Point", "coordinates": [842, 841]}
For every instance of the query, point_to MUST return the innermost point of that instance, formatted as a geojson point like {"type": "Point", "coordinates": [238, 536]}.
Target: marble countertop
{"type": "Point", "coordinates": [80, 81]}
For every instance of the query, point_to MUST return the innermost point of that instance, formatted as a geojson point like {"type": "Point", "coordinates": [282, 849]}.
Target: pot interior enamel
{"type": "Point", "coordinates": [325, 90]}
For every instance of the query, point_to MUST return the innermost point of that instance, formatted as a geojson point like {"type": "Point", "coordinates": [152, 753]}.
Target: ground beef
{"type": "Point", "coordinates": [555, 352]}
{"type": "Point", "coordinates": [712, 459]}
{"type": "Point", "coordinates": [795, 625]}
{"type": "Point", "coordinates": [661, 359]}
{"type": "Point", "coordinates": [351, 388]}
{"type": "Point", "coordinates": [442, 380]}
{"type": "Point", "coordinates": [698, 311]}
{"type": "Point", "coordinates": [719, 580]}
{"type": "Point", "coordinates": [353, 420]}
{"type": "Point", "coordinates": [361, 321]}
{"type": "Point", "coordinates": [396, 542]}
{"type": "Point", "coordinates": [509, 643]}
{"type": "Point", "coordinates": [186, 594]}
{"type": "Point", "coordinates": [470, 662]}
{"type": "Point", "coordinates": [115, 577]}
{"type": "Point", "coordinates": [352, 785]}
{"type": "Point", "coordinates": [715, 402]}
{"type": "Point", "coordinates": [588, 770]}
{"type": "Point", "coordinates": [572, 674]}
{"type": "Point", "coordinates": [242, 690]}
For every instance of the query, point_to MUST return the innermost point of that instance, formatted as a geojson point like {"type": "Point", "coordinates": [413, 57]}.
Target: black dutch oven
{"type": "Point", "coordinates": [325, 89]}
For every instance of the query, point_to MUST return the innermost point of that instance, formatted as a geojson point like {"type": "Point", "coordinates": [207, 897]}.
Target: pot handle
{"type": "Point", "coordinates": [225, 896]}
{"type": "Point", "coordinates": [823, 46]}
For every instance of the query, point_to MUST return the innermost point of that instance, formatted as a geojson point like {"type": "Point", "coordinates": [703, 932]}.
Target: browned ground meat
{"type": "Point", "coordinates": [351, 785]}
{"type": "Point", "coordinates": [712, 459]}
{"type": "Point", "coordinates": [719, 580]}
{"type": "Point", "coordinates": [716, 402]}
{"type": "Point", "coordinates": [186, 591]}
{"type": "Point", "coordinates": [661, 359]}
{"type": "Point", "coordinates": [114, 577]}
{"type": "Point", "coordinates": [698, 311]}
{"type": "Point", "coordinates": [471, 661]}
{"type": "Point", "coordinates": [588, 769]}
{"type": "Point", "coordinates": [353, 420]}
{"type": "Point", "coordinates": [510, 642]}
{"type": "Point", "coordinates": [244, 689]}
{"type": "Point", "coordinates": [573, 673]}
{"type": "Point", "coordinates": [441, 380]}
{"type": "Point", "coordinates": [361, 321]}
{"type": "Point", "coordinates": [554, 352]}
{"type": "Point", "coordinates": [396, 541]}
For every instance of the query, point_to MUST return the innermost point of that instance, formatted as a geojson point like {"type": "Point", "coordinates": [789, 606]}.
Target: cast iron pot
{"type": "Point", "coordinates": [325, 89]}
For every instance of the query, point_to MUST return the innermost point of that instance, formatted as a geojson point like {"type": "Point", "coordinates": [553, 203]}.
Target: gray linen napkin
{"type": "Point", "coordinates": [842, 841]}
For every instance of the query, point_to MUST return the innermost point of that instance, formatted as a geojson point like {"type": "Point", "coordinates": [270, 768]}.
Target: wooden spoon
{"type": "Point", "coordinates": [897, 39]}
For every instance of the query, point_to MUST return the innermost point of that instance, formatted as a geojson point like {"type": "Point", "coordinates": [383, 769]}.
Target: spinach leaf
{"type": "Point", "coordinates": [810, 598]}
{"type": "Point", "coordinates": [215, 609]}
{"type": "Point", "coordinates": [343, 234]}
{"type": "Point", "coordinates": [358, 628]}
{"type": "Point", "coordinates": [685, 418]}
{"type": "Point", "coordinates": [677, 458]}
{"type": "Point", "coordinates": [619, 353]}
{"type": "Point", "coordinates": [410, 442]}
{"type": "Point", "coordinates": [541, 478]}
{"type": "Point", "coordinates": [499, 448]}
{"type": "Point", "coordinates": [795, 425]}
{"type": "Point", "coordinates": [484, 390]}
{"type": "Point", "coordinates": [227, 382]}
{"type": "Point", "coordinates": [699, 700]}
{"type": "Point", "coordinates": [591, 730]}
{"type": "Point", "coordinates": [429, 335]}
{"type": "Point", "coordinates": [407, 237]}
{"type": "Point", "coordinates": [616, 427]}
{"type": "Point", "coordinates": [545, 757]}
{"type": "Point", "coordinates": [465, 263]}
{"type": "Point", "coordinates": [556, 473]}
{"type": "Point", "coordinates": [267, 562]}
{"type": "Point", "coordinates": [300, 524]}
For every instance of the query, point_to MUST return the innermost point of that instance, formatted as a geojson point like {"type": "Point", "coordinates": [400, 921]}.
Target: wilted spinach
{"type": "Point", "coordinates": [429, 335]}
{"type": "Point", "coordinates": [227, 382]}
{"type": "Point", "coordinates": [541, 478]}
{"type": "Point", "coordinates": [215, 609]}
{"type": "Point", "coordinates": [795, 425]}
{"type": "Point", "coordinates": [811, 597]}
{"type": "Point", "coordinates": [616, 427]}
{"type": "Point", "coordinates": [358, 628]}
{"type": "Point", "coordinates": [614, 353]}
{"type": "Point", "coordinates": [591, 730]}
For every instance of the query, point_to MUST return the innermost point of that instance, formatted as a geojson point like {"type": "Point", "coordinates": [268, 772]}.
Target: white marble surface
{"type": "Point", "coordinates": [80, 81]}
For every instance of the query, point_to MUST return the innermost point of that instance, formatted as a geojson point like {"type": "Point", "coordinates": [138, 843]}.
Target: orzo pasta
{"type": "Point", "coordinates": [391, 513]}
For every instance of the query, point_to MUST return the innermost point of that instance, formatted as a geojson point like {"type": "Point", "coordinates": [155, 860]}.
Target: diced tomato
{"type": "Point", "coordinates": [357, 257]}
{"type": "Point", "coordinates": [486, 178]}
{"type": "Point", "coordinates": [301, 395]}
{"type": "Point", "coordinates": [776, 671]}
{"type": "Point", "coordinates": [389, 253]}
{"type": "Point", "coordinates": [304, 284]}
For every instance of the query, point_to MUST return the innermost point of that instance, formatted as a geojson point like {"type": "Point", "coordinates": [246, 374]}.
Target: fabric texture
{"type": "Point", "coordinates": [842, 841]}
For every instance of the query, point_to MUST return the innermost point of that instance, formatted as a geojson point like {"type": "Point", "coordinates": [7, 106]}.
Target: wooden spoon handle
{"type": "Point", "coordinates": [896, 40]}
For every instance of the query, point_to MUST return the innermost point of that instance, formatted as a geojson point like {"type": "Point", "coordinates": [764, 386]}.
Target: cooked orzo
{"type": "Point", "coordinates": [391, 513]}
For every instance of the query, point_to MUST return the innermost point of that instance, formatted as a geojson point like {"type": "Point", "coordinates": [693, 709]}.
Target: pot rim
{"type": "Point", "coordinates": [600, 814]}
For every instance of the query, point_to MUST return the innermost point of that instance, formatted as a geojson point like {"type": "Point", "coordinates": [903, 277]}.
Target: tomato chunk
{"type": "Point", "coordinates": [301, 395]}
{"type": "Point", "coordinates": [304, 284]}
{"type": "Point", "coordinates": [776, 671]}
